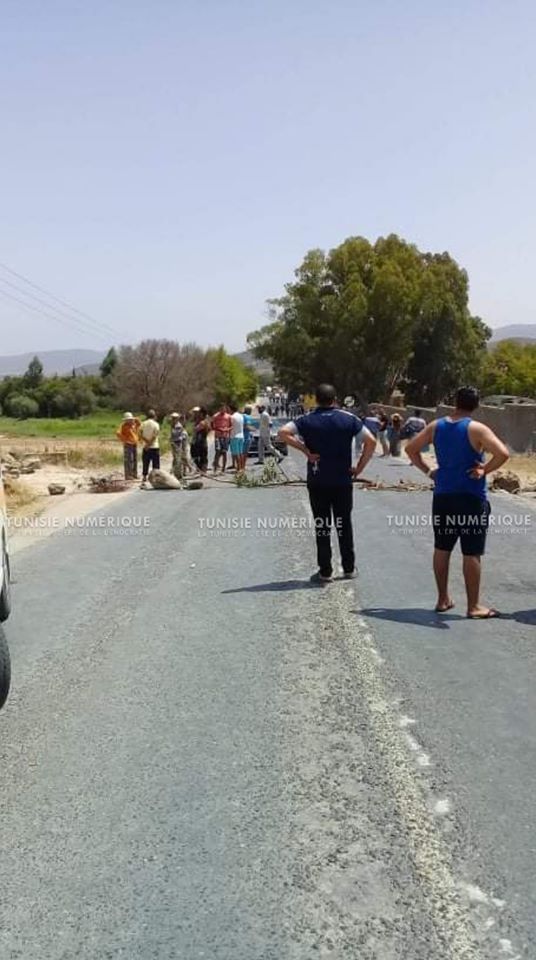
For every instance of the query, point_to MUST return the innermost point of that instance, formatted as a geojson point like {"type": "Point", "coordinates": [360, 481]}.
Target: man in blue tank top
{"type": "Point", "coordinates": [325, 436]}
{"type": "Point", "coordinates": [460, 507]}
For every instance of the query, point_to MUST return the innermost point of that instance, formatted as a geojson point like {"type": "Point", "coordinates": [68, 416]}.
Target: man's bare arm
{"type": "Point", "coordinates": [482, 437]}
{"type": "Point", "coordinates": [286, 435]}
{"type": "Point", "coordinates": [367, 450]}
{"type": "Point", "coordinates": [416, 444]}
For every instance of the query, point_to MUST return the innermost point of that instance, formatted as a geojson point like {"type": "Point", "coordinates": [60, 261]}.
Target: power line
{"type": "Point", "coordinates": [51, 316]}
{"type": "Point", "coordinates": [74, 321]}
{"type": "Point", "coordinates": [87, 317]}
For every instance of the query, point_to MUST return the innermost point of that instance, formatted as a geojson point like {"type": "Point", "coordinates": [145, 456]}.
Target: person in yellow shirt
{"type": "Point", "coordinates": [149, 432]}
{"type": "Point", "coordinates": [128, 434]}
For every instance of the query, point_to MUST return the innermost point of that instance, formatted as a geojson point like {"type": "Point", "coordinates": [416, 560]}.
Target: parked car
{"type": "Point", "coordinates": [279, 445]}
{"type": "Point", "coordinates": [5, 599]}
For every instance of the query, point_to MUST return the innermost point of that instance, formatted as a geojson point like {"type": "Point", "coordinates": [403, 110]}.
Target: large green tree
{"type": "Point", "coordinates": [368, 317]}
{"type": "Point", "coordinates": [232, 380]}
{"type": "Point", "coordinates": [448, 343]}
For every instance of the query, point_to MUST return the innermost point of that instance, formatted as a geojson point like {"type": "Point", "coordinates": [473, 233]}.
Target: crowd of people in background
{"type": "Point", "coordinates": [233, 430]}
{"type": "Point", "coordinates": [281, 405]}
{"type": "Point", "coordinates": [392, 429]}
{"type": "Point", "coordinates": [326, 437]}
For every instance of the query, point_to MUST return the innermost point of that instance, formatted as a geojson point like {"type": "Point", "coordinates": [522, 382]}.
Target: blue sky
{"type": "Point", "coordinates": [166, 165]}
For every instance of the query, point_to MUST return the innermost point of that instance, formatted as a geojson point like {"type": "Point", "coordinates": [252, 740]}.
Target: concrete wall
{"type": "Point", "coordinates": [427, 414]}
{"type": "Point", "coordinates": [515, 423]}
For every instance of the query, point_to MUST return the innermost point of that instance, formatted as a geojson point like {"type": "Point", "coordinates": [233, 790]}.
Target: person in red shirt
{"type": "Point", "coordinates": [221, 424]}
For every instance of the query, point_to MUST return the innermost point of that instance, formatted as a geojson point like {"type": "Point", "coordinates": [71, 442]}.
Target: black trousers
{"type": "Point", "coordinates": [333, 505]}
{"type": "Point", "coordinates": [150, 458]}
{"type": "Point", "coordinates": [199, 452]}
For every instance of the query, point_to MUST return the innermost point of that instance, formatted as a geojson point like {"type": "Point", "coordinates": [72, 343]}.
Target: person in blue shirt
{"type": "Point", "coordinates": [413, 425]}
{"type": "Point", "coordinates": [249, 423]}
{"type": "Point", "coordinates": [325, 436]}
{"type": "Point", "coordinates": [460, 505]}
{"type": "Point", "coordinates": [372, 423]}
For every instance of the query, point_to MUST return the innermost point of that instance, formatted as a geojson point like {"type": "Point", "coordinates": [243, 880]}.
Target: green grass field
{"type": "Point", "coordinates": [97, 426]}
{"type": "Point", "coordinates": [89, 441]}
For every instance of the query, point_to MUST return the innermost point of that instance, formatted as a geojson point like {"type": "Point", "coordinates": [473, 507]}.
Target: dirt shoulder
{"type": "Point", "coordinates": [47, 515]}
{"type": "Point", "coordinates": [33, 513]}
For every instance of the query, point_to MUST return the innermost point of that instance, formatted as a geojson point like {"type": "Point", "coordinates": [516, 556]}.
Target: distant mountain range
{"type": "Point", "coordinates": [522, 332]}
{"type": "Point", "coordinates": [261, 367]}
{"type": "Point", "coordinates": [54, 361]}
{"type": "Point", "coordinates": [88, 361]}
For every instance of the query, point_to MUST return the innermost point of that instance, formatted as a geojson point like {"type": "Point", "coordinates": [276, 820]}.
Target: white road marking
{"type": "Point", "coordinates": [475, 894]}
{"type": "Point", "coordinates": [422, 758]}
{"type": "Point", "coordinates": [406, 722]}
{"type": "Point", "coordinates": [429, 851]}
{"type": "Point", "coordinates": [506, 947]}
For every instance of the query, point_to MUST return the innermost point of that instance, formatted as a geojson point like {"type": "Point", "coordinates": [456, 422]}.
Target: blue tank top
{"type": "Point", "coordinates": [455, 457]}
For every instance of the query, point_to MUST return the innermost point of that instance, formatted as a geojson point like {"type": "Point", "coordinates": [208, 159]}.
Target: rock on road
{"type": "Point", "coordinates": [204, 756]}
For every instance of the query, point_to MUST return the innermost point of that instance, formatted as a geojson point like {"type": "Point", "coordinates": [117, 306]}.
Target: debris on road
{"type": "Point", "coordinates": [162, 480]}
{"type": "Point", "coordinates": [275, 476]}
{"type": "Point", "coordinates": [56, 489]}
{"type": "Point", "coordinates": [506, 480]}
{"type": "Point", "coordinates": [111, 483]}
{"type": "Point", "coordinates": [405, 486]}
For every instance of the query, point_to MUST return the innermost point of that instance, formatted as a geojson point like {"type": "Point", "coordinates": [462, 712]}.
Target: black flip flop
{"type": "Point", "coordinates": [490, 615]}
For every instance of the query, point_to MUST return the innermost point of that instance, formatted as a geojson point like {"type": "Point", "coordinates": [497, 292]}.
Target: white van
{"type": "Point", "coordinates": [5, 598]}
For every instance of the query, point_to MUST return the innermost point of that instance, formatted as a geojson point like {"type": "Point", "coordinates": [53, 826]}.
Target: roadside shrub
{"type": "Point", "coordinates": [75, 400]}
{"type": "Point", "coordinates": [21, 406]}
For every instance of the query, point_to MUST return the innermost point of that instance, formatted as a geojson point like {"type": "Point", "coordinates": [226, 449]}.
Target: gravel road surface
{"type": "Point", "coordinates": [205, 756]}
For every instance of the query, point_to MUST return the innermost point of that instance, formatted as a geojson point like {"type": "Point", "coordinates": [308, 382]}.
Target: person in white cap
{"type": "Point", "coordinates": [128, 434]}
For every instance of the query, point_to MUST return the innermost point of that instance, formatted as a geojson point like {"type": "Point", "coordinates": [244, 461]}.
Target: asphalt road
{"type": "Point", "coordinates": [204, 756]}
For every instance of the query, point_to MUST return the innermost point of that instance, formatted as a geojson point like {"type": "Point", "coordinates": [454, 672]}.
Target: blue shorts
{"type": "Point", "coordinates": [237, 446]}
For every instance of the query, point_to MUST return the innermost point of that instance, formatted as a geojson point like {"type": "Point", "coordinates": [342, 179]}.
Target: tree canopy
{"type": "Point", "coordinates": [369, 317]}
{"type": "Point", "coordinates": [233, 381]}
{"type": "Point", "coordinates": [109, 363]}
{"type": "Point", "coordinates": [169, 376]}
{"type": "Point", "coordinates": [510, 368]}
